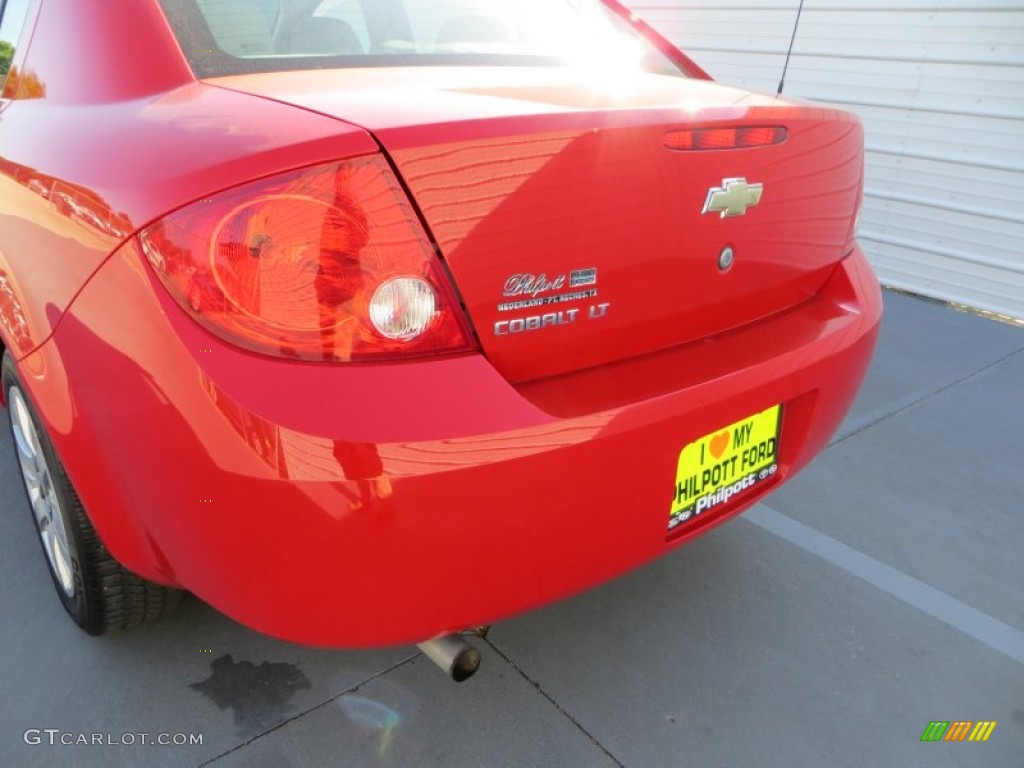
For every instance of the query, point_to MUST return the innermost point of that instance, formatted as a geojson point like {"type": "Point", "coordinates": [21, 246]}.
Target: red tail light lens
{"type": "Point", "coordinates": [694, 139]}
{"type": "Point", "coordinates": [326, 263]}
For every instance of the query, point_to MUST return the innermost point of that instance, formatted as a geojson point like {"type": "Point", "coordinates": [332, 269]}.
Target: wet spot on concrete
{"type": "Point", "coordinates": [259, 695]}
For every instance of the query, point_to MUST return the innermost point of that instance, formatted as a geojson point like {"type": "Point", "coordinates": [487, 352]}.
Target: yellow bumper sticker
{"type": "Point", "coordinates": [724, 464]}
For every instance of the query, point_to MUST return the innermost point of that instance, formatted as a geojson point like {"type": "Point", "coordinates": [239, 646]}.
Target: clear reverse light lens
{"type": "Point", "coordinates": [403, 308]}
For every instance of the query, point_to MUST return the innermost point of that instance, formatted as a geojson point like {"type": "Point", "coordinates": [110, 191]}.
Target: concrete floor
{"type": "Point", "coordinates": [877, 592]}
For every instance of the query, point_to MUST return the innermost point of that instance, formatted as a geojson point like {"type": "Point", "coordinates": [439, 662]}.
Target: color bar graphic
{"type": "Point", "coordinates": [959, 730]}
{"type": "Point", "coordinates": [983, 730]}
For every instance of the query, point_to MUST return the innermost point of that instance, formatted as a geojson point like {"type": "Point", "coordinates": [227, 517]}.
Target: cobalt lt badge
{"type": "Point", "coordinates": [733, 198]}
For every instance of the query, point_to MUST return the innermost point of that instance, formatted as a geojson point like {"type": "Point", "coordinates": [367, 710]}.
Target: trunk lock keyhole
{"type": "Point", "coordinates": [726, 259]}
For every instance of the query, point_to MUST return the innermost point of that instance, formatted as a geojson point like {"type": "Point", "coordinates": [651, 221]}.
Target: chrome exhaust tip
{"type": "Point", "coordinates": [454, 655]}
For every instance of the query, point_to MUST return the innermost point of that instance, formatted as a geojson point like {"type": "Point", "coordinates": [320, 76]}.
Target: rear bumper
{"type": "Point", "coordinates": [364, 506]}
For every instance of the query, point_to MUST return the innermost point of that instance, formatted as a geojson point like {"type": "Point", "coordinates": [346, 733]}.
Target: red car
{"type": "Point", "coordinates": [370, 321]}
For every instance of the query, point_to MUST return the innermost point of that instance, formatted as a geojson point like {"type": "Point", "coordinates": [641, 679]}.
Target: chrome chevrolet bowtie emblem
{"type": "Point", "coordinates": [733, 198]}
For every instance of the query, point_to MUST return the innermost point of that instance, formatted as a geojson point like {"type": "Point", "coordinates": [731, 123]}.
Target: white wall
{"type": "Point", "coordinates": [940, 87]}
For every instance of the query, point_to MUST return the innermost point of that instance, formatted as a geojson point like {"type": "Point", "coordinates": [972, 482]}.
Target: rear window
{"type": "Point", "coordinates": [228, 37]}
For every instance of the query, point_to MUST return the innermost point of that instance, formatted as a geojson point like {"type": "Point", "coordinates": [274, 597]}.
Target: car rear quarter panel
{"type": "Point", "coordinates": [113, 134]}
{"type": "Point", "coordinates": [116, 133]}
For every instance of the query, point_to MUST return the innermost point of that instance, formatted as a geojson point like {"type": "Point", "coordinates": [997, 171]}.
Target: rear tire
{"type": "Point", "coordinates": [96, 591]}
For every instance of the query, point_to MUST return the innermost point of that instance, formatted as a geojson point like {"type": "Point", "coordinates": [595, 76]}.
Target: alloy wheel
{"type": "Point", "coordinates": [51, 521]}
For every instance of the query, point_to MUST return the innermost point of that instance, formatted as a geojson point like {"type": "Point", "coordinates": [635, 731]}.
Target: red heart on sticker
{"type": "Point", "coordinates": [719, 443]}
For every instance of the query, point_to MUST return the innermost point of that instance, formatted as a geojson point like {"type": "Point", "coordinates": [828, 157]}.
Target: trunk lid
{"type": "Point", "coordinates": [574, 235]}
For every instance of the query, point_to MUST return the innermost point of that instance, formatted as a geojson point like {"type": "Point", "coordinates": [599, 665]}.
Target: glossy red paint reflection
{"type": "Point", "coordinates": [188, 277]}
{"type": "Point", "coordinates": [530, 176]}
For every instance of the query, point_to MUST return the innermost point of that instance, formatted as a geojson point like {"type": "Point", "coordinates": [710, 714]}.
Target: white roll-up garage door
{"type": "Point", "coordinates": [940, 87]}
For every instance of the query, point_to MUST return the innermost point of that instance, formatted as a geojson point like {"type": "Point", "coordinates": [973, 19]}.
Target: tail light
{"type": "Point", "coordinates": [326, 263]}
{"type": "Point", "coordinates": [725, 138]}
